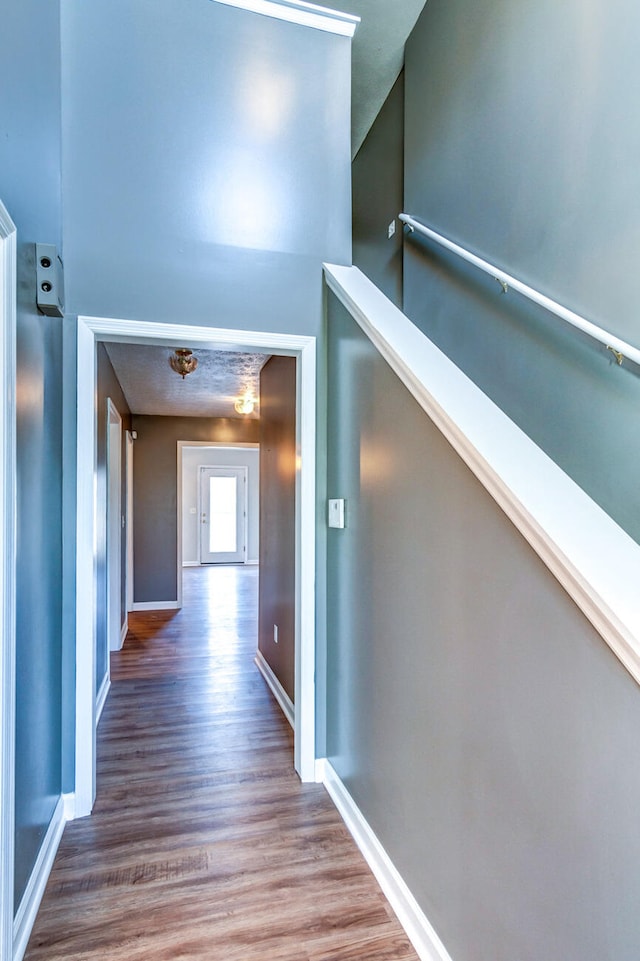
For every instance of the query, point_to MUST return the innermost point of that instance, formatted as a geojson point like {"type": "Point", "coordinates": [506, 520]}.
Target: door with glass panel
{"type": "Point", "coordinates": [223, 515]}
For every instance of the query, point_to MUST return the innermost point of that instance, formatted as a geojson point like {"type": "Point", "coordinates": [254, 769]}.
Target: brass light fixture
{"type": "Point", "coordinates": [245, 403]}
{"type": "Point", "coordinates": [183, 361]}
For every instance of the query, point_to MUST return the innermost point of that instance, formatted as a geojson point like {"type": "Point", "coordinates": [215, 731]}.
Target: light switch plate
{"type": "Point", "coordinates": [336, 512]}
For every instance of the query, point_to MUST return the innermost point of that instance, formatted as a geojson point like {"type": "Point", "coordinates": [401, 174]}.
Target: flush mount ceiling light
{"type": "Point", "coordinates": [245, 403]}
{"type": "Point", "coordinates": [183, 361]}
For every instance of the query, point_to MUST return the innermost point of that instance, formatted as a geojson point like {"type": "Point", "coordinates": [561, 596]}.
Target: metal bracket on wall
{"type": "Point", "coordinates": [49, 281]}
{"type": "Point", "coordinates": [619, 356]}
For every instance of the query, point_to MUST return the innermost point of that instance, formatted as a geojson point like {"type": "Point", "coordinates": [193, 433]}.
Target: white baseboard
{"type": "Point", "coordinates": [123, 632]}
{"type": "Point", "coordinates": [102, 697]}
{"type": "Point", "coordinates": [277, 689]}
{"type": "Point", "coordinates": [69, 806]}
{"type": "Point", "coordinates": [155, 606]}
{"type": "Point", "coordinates": [420, 932]}
{"type": "Point", "coordinates": [249, 563]}
{"type": "Point", "coordinates": [28, 908]}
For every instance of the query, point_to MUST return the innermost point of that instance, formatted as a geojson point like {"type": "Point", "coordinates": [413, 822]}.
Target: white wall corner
{"type": "Point", "coordinates": [69, 806]}
{"type": "Point", "coordinates": [417, 926]}
{"type": "Point", "coordinates": [101, 697]}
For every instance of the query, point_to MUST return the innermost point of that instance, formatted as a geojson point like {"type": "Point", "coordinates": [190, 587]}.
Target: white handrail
{"type": "Point", "coordinates": [595, 561]}
{"type": "Point", "coordinates": [619, 348]}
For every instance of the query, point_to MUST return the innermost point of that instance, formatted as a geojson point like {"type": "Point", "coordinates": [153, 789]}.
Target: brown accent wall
{"type": "Point", "coordinates": [155, 493]}
{"type": "Point", "coordinates": [108, 386]}
{"type": "Point", "coordinates": [277, 516]}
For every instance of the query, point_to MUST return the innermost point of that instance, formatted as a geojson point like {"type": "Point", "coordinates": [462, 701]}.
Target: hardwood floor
{"type": "Point", "coordinates": [203, 842]}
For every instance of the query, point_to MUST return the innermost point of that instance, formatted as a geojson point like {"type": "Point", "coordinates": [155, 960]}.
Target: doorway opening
{"type": "Point", "coordinates": [192, 529]}
{"type": "Point", "coordinates": [222, 493]}
{"type": "Point", "coordinates": [90, 331]}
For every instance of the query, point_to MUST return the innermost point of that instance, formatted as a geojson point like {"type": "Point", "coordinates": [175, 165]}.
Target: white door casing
{"type": "Point", "coordinates": [8, 315]}
{"type": "Point", "coordinates": [129, 523]}
{"type": "Point", "coordinates": [114, 529]}
{"type": "Point", "coordinates": [93, 329]}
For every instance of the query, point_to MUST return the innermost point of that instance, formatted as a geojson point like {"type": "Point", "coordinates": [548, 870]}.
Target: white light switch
{"type": "Point", "coordinates": [192, 510]}
{"type": "Point", "coordinates": [336, 512]}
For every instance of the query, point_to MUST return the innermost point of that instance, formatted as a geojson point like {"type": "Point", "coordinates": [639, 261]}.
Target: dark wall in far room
{"type": "Point", "coordinates": [277, 517]}
{"type": "Point", "coordinates": [108, 388]}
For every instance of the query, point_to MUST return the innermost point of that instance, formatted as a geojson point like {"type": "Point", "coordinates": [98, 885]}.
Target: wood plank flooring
{"type": "Point", "coordinates": [203, 842]}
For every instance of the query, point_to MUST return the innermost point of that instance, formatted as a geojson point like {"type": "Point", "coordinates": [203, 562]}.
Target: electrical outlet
{"type": "Point", "coordinates": [391, 229]}
{"type": "Point", "coordinates": [275, 633]}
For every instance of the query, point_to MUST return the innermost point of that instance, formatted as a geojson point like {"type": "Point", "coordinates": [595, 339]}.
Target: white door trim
{"type": "Point", "coordinates": [8, 319]}
{"type": "Point", "coordinates": [93, 329]}
{"type": "Point", "coordinates": [113, 559]}
{"type": "Point", "coordinates": [129, 523]}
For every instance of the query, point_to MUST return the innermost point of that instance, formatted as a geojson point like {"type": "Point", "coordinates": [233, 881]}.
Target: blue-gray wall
{"type": "Point", "coordinates": [378, 195]}
{"type": "Point", "coordinates": [485, 730]}
{"type": "Point", "coordinates": [206, 173]}
{"type": "Point", "coordinates": [206, 163]}
{"type": "Point", "coordinates": [30, 189]}
{"type": "Point", "coordinates": [205, 177]}
{"type": "Point", "coordinates": [522, 141]}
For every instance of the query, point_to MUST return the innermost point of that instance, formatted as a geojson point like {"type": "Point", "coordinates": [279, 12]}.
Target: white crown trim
{"type": "Point", "coordinates": [305, 14]}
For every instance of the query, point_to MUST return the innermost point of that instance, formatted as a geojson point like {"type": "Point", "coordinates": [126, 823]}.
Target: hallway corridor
{"type": "Point", "coordinates": [203, 843]}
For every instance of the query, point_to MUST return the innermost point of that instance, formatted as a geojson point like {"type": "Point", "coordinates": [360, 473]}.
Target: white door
{"type": "Point", "coordinates": [223, 515]}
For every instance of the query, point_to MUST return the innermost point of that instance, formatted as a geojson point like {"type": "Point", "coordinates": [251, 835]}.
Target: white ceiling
{"type": "Point", "coordinates": [152, 387]}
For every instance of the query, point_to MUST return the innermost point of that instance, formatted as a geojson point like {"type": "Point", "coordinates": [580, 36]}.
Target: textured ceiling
{"type": "Point", "coordinates": [152, 387]}
{"type": "Point", "coordinates": [377, 55]}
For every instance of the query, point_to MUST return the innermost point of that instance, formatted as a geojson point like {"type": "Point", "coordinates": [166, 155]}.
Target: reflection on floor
{"type": "Point", "coordinates": [203, 843]}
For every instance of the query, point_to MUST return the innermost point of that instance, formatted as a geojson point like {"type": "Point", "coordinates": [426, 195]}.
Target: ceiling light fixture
{"type": "Point", "coordinates": [183, 361]}
{"type": "Point", "coordinates": [246, 403]}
